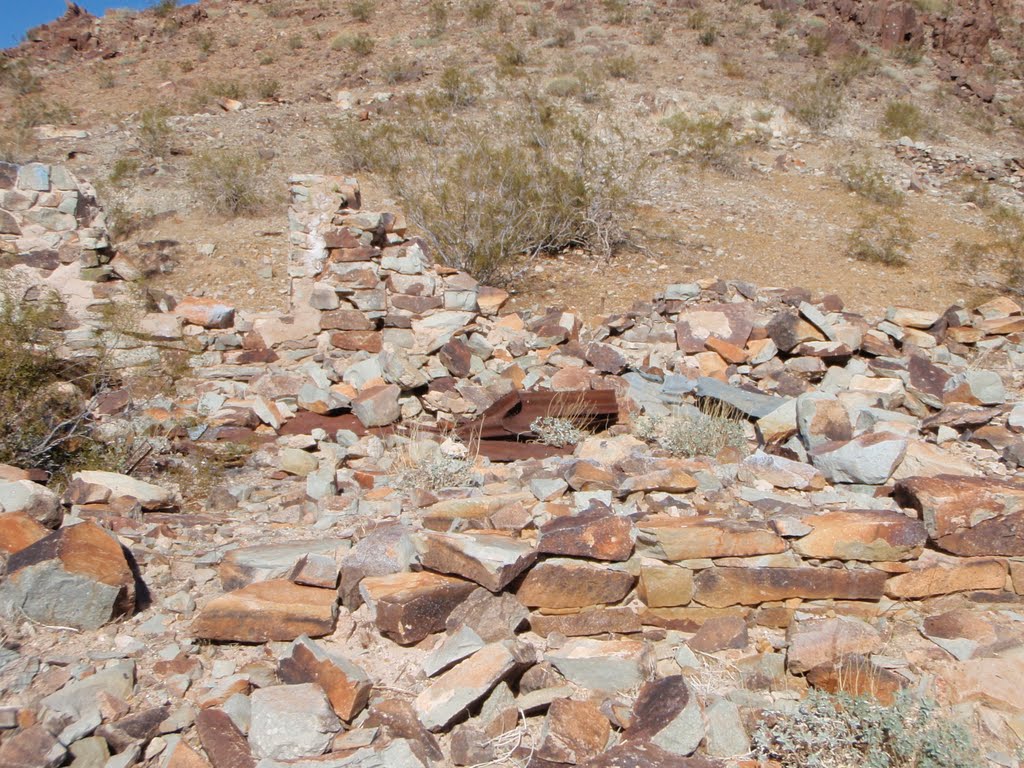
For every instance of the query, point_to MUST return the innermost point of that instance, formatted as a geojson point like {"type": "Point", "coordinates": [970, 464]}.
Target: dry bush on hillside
{"type": "Point", "coordinates": [709, 140]}
{"type": "Point", "coordinates": [868, 181]}
{"type": "Point", "coordinates": [45, 401]}
{"type": "Point", "coordinates": [705, 432]}
{"type": "Point", "coordinates": [818, 103]}
{"type": "Point", "coordinates": [490, 196]}
{"type": "Point", "coordinates": [999, 258]}
{"type": "Point", "coordinates": [901, 118]}
{"type": "Point", "coordinates": [230, 181]}
{"type": "Point", "coordinates": [882, 237]}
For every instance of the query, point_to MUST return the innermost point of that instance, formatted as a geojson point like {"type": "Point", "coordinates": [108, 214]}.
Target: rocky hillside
{"type": "Point", "coordinates": [287, 484]}
{"type": "Point", "coordinates": [750, 154]}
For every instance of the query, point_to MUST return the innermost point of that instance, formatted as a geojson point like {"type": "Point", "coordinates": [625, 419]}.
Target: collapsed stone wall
{"type": "Point", "coordinates": [54, 240]}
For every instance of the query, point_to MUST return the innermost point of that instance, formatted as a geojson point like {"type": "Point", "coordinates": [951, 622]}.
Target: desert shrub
{"type": "Point", "coordinates": [295, 42]}
{"type": "Point", "coordinates": [437, 14]}
{"type": "Point", "coordinates": [456, 87]}
{"type": "Point", "coordinates": [881, 237]}
{"type": "Point", "coordinates": [557, 431]}
{"type": "Point", "coordinates": [708, 36]}
{"type": "Point", "coordinates": [563, 87]}
{"type": "Point", "coordinates": [362, 10]}
{"type": "Point", "coordinates": [266, 60]}
{"type": "Point", "coordinates": [268, 89]}
{"type": "Point", "coordinates": [978, 192]}
{"type": "Point", "coordinates": [622, 66]}
{"type": "Point", "coordinates": [400, 70]}
{"type": "Point", "coordinates": [781, 19]}
{"type": "Point", "coordinates": [868, 181]}
{"type": "Point", "coordinates": [902, 118]}
{"type": "Point", "coordinates": [360, 44]}
{"type": "Point", "coordinates": [164, 7]}
{"type": "Point", "coordinates": [204, 40]}
{"type": "Point", "coordinates": [708, 140]}
{"type": "Point", "coordinates": [229, 180]}
{"type": "Point", "coordinates": [479, 11]}
{"type": "Point", "coordinates": [492, 196]}
{"type": "Point", "coordinates": [704, 432]}
{"type": "Point", "coordinates": [105, 79]}
{"type": "Point", "coordinates": [910, 54]}
{"type": "Point", "coordinates": [732, 67]}
{"type": "Point", "coordinates": [653, 34]}
{"type": "Point", "coordinates": [124, 168]}
{"type": "Point", "coordinates": [45, 401]}
{"type": "Point", "coordinates": [432, 466]}
{"type": "Point", "coordinates": [999, 258]}
{"type": "Point", "coordinates": [695, 433]}
{"type": "Point", "coordinates": [154, 131]}
{"type": "Point", "coordinates": [817, 44]}
{"type": "Point", "coordinates": [510, 60]}
{"type": "Point", "coordinates": [616, 11]}
{"type": "Point", "coordinates": [817, 103]}
{"type": "Point", "coordinates": [837, 731]}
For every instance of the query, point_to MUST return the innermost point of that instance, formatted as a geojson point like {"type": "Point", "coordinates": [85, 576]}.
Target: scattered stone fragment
{"type": "Point", "coordinates": [719, 633]}
{"type": "Point", "coordinates": [265, 562]}
{"type": "Point", "coordinates": [223, 743]}
{"type": "Point", "coordinates": [491, 617]}
{"type": "Point", "coordinates": [33, 747]}
{"type": "Point", "coordinates": [683, 538]}
{"type": "Point", "coordinates": [870, 459]}
{"type": "Point", "coordinates": [668, 715]}
{"type": "Point", "coordinates": [937, 574]}
{"type": "Point", "coordinates": [603, 665]}
{"type": "Point", "coordinates": [347, 686]}
{"type": "Point", "coordinates": [815, 642]}
{"type": "Point", "coordinates": [106, 487]}
{"type": "Point", "coordinates": [291, 721]}
{"type": "Point", "coordinates": [18, 530]}
{"type": "Point", "coordinates": [469, 681]}
{"type": "Point", "coordinates": [34, 500]}
{"type": "Point", "coordinates": [75, 577]}
{"type": "Point", "coordinates": [573, 732]}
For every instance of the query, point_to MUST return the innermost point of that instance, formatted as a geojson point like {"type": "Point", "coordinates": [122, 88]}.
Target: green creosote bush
{"type": "Point", "coordinates": [708, 140]}
{"type": "Point", "coordinates": [456, 88]}
{"type": "Point", "coordinates": [839, 731]}
{"type": "Point", "coordinates": [616, 11]}
{"type": "Point", "coordinates": [437, 15]}
{"type": "Point", "coordinates": [45, 401]}
{"type": "Point", "coordinates": [399, 70]}
{"type": "Point", "coordinates": [868, 181]}
{"type": "Point", "coordinates": [362, 10]}
{"type": "Point", "coordinates": [480, 11]}
{"type": "Point", "coordinates": [124, 168]}
{"type": "Point", "coordinates": [154, 131]}
{"type": "Point", "coordinates": [708, 36]}
{"type": "Point", "coordinates": [1000, 257]}
{"type": "Point", "coordinates": [622, 66]}
{"type": "Point", "coordinates": [494, 195]}
{"type": "Point", "coordinates": [705, 432]}
{"type": "Point", "coordinates": [510, 60]}
{"type": "Point", "coordinates": [295, 42]}
{"type": "Point", "coordinates": [268, 89]}
{"type": "Point", "coordinates": [164, 8]}
{"type": "Point", "coordinates": [818, 103]}
{"type": "Point", "coordinates": [902, 118]}
{"type": "Point", "coordinates": [204, 40]}
{"type": "Point", "coordinates": [360, 44]}
{"type": "Point", "coordinates": [230, 181]}
{"type": "Point", "coordinates": [882, 237]}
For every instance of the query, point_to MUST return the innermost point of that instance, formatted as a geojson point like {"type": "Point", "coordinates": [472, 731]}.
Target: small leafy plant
{"type": "Point", "coordinates": [839, 731]}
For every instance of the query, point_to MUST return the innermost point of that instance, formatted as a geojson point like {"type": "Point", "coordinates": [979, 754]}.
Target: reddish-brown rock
{"type": "Point", "coordinates": [857, 677]}
{"type": "Point", "coordinates": [573, 731]}
{"type": "Point", "coordinates": [564, 583]}
{"type": "Point", "coordinates": [184, 756]}
{"type": "Point", "coordinates": [969, 516]}
{"type": "Point", "coordinates": [489, 560]}
{"type": "Point", "coordinates": [665, 586]}
{"type": "Point", "coordinates": [74, 577]}
{"type": "Point", "coordinates": [596, 534]}
{"type": "Point", "coordinates": [346, 685]}
{"type": "Point", "coordinates": [223, 743]}
{"type": "Point", "coordinates": [691, 538]}
{"type": "Point", "coordinates": [720, 587]}
{"type": "Point", "coordinates": [18, 530]}
{"type": "Point", "coordinates": [814, 642]}
{"type": "Point", "coordinates": [409, 606]}
{"type": "Point", "coordinates": [268, 610]}
{"type": "Point", "coordinates": [869, 535]}
{"type": "Point", "coordinates": [938, 574]}
{"type": "Point", "coordinates": [719, 633]}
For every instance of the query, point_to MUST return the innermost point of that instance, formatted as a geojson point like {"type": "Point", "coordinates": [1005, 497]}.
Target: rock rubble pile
{"type": "Point", "coordinates": [366, 592]}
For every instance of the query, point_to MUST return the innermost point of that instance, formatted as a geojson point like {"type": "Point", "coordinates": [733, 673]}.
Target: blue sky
{"type": "Point", "coordinates": [17, 16]}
